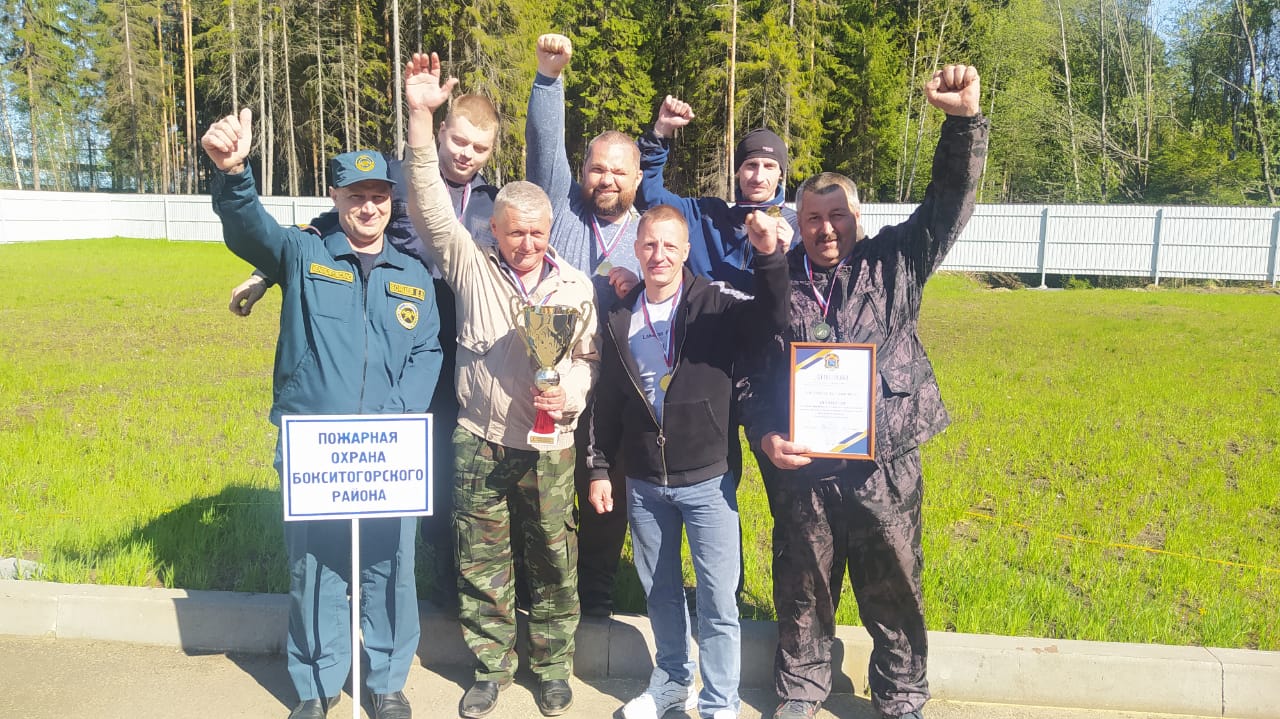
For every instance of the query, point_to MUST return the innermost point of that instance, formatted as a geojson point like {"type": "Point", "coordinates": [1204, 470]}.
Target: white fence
{"type": "Point", "coordinates": [1228, 243]}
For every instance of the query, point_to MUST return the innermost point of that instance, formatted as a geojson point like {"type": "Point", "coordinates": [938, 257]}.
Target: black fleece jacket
{"type": "Point", "coordinates": [715, 326]}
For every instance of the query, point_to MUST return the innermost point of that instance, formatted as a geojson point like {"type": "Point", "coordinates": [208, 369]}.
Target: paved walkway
{"type": "Point", "coordinates": [69, 679]}
{"type": "Point", "coordinates": [84, 650]}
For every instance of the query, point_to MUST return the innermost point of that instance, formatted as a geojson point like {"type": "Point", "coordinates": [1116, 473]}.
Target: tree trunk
{"type": "Point", "coordinates": [1102, 95]}
{"type": "Point", "coordinates": [729, 139]}
{"type": "Point", "coordinates": [189, 163]}
{"type": "Point", "coordinates": [1148, 105]}
{"type": "Point", "coordinates": [906, 106]}
{"type": "Point", "coordinates": [235, 43]}
{"type": "Point", "coordinates": [60, 178]}
{"type": "Point", "coordinates": [398, 65]}
{"type": "Point", "coordinates": [355, 80]}
{"type": "Point", "coordinates": [264, 184]}
{"type": "Point", "coordinates": [269, 119]}
{"type": "Point", "coordinates": [1256, 99]}
{"type": "Point", "coordinates": [8, 136]}
{"type": "Point", "coordinates": [786, 108]}
{"type": "Point", "coordinates": [291, 146]}
{"type": "Point", "coordinates": [164, 180]}
{"type": "Point", "coordinates": [1071, 119]}
{"type": "Point", "coordinates": [35, 142]}
{"type": "Point", "coordinates": [924, 104]}
{"type": "Point", "coordinates": [133, 97]}
{"type": "Point", "coordinates": [342, 91]}
{"type": "Point", "coordinates": [322, 167]}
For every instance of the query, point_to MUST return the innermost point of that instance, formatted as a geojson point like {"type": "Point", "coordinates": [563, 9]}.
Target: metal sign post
{"type": "Point", "coordinates": [350, 467]}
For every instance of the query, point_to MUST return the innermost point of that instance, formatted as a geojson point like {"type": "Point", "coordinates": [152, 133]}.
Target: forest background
{"type": "Point", "coordinates": [1091, 101]}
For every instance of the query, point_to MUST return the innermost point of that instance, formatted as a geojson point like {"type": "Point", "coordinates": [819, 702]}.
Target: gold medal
{"type": "Point", "coordinates": [603, 268]}
{"type": "Point", "coordinates": [665, 382]}
{"type": "Point", "coordinates": [773, 211]}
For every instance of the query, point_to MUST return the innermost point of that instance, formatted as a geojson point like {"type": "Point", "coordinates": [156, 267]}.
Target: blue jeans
{"type": "Point", "coordinates": [708, 512]}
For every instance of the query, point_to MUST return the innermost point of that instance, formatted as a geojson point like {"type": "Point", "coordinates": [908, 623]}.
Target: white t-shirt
{"type": "Point", "coordinates": [650, 350]}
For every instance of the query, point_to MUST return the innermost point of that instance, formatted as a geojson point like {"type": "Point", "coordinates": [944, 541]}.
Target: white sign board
{"type": "Point", "coordinates": [353, 466]}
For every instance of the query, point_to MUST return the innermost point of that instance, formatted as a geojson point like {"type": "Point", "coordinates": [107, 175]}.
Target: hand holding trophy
{"type": "Point", "coordinates": [548, 332]}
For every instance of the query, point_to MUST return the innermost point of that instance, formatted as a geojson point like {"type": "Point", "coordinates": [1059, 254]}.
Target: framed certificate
{"type": "Point", "coordinates": [833, 399]}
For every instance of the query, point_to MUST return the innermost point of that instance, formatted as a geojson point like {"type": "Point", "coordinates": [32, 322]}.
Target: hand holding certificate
{"type": "Point", "coordinates": [833, 399]}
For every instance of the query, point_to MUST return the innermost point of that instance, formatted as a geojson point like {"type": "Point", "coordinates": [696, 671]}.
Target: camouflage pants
{"type": "Point", "coordinates": [865, 519]}
{"type": "Point", "coordinates": [500, 491]}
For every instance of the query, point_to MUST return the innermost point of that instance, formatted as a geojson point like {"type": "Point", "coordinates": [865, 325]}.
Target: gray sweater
{"type": "Point", "coordinates": [572, 233]}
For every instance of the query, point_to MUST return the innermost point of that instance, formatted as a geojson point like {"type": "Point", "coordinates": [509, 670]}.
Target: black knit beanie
{"type": "Point", "coordinates": [760, 143]}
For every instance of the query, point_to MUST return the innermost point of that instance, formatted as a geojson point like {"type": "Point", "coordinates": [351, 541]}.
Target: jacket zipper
{"type": "Point", "coordinates": [661, 441]}
{"type": "Point", "coordinates": [364, 304]}
{"type": "Point", "coordinates": [675, 363]}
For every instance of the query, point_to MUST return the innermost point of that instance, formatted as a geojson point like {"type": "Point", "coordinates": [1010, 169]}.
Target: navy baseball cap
{"type": "Point", "coordinates": [352, 167]}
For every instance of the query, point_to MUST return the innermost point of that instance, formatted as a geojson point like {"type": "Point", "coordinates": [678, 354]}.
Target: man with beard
{"type": "Point", "coordinates": [862, 516]}
{"type": "Point", "coordinates": [594, 230]}
{"type": "Point", "coordinates": [465, 143]}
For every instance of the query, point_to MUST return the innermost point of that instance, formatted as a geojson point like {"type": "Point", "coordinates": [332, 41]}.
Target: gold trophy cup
{"type": "Point", "coordinates": [548, 332]}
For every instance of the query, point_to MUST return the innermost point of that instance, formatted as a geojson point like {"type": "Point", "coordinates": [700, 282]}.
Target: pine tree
{"type": "Point", "coordinates": [134, 91]}
{"type": "Point", "coordinates": [608, 86]}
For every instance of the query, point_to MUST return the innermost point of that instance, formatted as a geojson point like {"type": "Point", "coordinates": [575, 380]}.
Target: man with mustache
{"type": "Point", "coordinates": [358, 335]}
{"type": "Point", "coordinates": [594, 229]}
{"type": "Point", "coordinates": [465, 143]}
{"type": "Point", "coordinates": [862, 516]}
{"type": "Point", "coordinates": [510, 482]}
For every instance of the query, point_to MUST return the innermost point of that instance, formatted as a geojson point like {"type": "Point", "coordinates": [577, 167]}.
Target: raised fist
{"type": "Point", "coordinates": [554, 52]}
{"type": "Point", "coordinates": [955, 90]}
{"type": "Point", "coordinates": [673, 114]}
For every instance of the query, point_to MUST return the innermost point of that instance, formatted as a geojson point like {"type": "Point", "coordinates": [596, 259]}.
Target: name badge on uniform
{"type": "Point", "coordinates": [339, 275]}
{"type": "Point", "coordinates": [407, 291]}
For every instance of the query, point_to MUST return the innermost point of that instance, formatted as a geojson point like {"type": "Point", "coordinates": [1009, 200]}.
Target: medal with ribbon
{"type": "Point", "coordinates": [668, 347]}
{"type": "Point", "coordinates": [605, 250]}
{"type": "Point", "coordinates": [820, 329]}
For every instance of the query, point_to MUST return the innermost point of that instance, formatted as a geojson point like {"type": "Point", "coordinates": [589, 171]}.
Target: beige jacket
{"type": "Point", "coordinates": [494, 375]}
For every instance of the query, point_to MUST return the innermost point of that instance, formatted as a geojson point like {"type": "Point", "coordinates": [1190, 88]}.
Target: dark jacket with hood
{"type": "Point", "coordinates": [718, 244]}
{"type": "Point", "coordinates": [713, 326]}
{"type": "Point", "coordinates": [876, 300]}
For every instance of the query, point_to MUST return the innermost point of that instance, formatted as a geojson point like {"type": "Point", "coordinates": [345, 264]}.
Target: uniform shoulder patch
{"type": "Point", "coordinates": [413, 293]}
{"type": "Point", "coordinates": [407, 315]}
{"type": "Point", "coordinates": [339, 275]}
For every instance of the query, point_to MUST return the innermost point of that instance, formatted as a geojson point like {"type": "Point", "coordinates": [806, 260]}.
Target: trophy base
{"type": "Point", "coordinates": [543, 439]}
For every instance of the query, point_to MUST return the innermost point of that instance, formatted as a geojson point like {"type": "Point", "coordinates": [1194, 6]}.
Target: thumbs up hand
{"type": "Point", "coordinates": [228, 140]}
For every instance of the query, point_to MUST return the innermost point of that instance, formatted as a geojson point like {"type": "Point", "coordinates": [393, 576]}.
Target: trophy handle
{"type": "Point", "coordinates": [583, 310]}
{"type": "Point", "coordinates": [517, 309]}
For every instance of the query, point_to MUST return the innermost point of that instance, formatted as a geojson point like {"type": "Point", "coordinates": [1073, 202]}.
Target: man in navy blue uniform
{"type": "Point", "coordinates": [358, 335]}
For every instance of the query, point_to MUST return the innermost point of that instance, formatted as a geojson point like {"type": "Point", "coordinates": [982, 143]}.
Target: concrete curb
{"type": "Point", "coordinates": [962, 667]}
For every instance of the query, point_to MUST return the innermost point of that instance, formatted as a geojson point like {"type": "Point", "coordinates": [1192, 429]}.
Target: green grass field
{"type": "Point", "coordinates": [1112, 471]}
